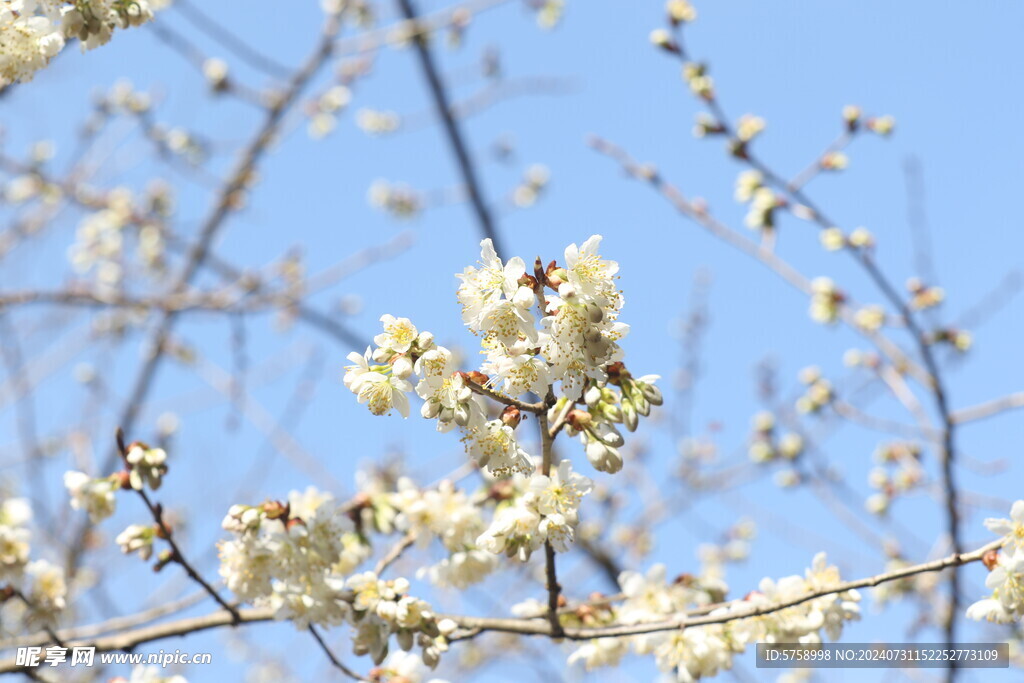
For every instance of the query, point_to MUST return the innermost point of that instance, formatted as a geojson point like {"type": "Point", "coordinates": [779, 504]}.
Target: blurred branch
{"type": "Point", "coordinates": [452, 131]}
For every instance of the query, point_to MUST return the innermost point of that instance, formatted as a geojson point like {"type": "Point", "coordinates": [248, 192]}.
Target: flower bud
{"type": "Point", "coordinates": [592, 396]}
{"type": "Point", "coordinates": [275, 509]}
{"type": "Point", "coordinates": [430, 408]}
{"type": "Point", "coordinates": [652, 394]}
{"type": "Point", "coordinates": [511, 416]}
{"type": "Point", "coordinates": [990, 559]}
{"type": "Point", "coordinates": [401, 366]}
{"type": "Point", "coordinates": [611, 412]}
{"type": "Point", "coordinates": [477, 377]}
{"type": "Point", "coordinates": [629, 417]}
{"type": "Point", "coordinates": [461, 415]}
{"type": "Point", "coordinates": [579, 419]}
{"type": "Point", "coordinates": [604, 458]}
{"type": "Point", "coordinates": [594, 313]}
{"type": "Point", "coordinates": [425, 341]}
{"type": "Point", "coordinates": [643, 406]}
{"type": "Point", "coordinates": [610, 435]}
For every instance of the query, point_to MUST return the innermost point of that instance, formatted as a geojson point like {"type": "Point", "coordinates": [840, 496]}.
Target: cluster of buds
{"type": "Point", "coordinates": [680, 12]}
{"type": "Point", "coordinates": [638, 394]}
{"type": "Point", "coordinates": [960, 340]}
{"type": "Point", "coordinates": [215, 71]}
{"type": "Point", "coordinates": [375, 122]}
{"type": "Point", "coordinates": [818, 394]}
{"type": "Point", "coordinates": [573, 348]}
{"type": "Point", "coordinates": [869, 318]}
{"type": "Point", "coordinates": [853, 118]}
{"type": "Point", "coordinates": [733, 547]}
{"type": "Point", "coordinates": [922, 296]}
{"type": "Point", "coordinates": [146, 466]}
{"type": "Point", "coordinates": [138, 538]}
{"type": "Point", "coordinates": [93, 21]}
{"type": "Point", "coordinates": [899, 471]}
{"type": "Point", "coordinates": [323, 112]}
{"type": "Point", "coordinates": [535, 181]}
{"type": "Point", "coordinates": [748, 127]}
{"type": "Point", "coordinates": [766, 445]}
{"type": "Point", "coordinates": [834, 239]}
{"type": "Point", "coordinates": [763, 200]}
{"type": "Point", "coordinates": [826, 300]}
{"type": "Point", "coordinates": [95, 496]}
{"type": "Point", "coordinates": [881, 125]}
{"type": "Point", "coordinates": [401, 201]}
{"type": "Point", "coordinates": [383, 608]}
{"type": "Point", "coordinates": [695, 74]}
{"type": "Point", "coordinates": [834, 161]}
{"type": "Point", "coordinates": [707, 125]}
{"type": "Point", "coordinates": [866, 359]}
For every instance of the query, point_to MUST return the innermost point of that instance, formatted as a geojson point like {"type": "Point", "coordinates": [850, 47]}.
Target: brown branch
{"type": "Point", "coordinates": [525, 626]}
{"type": "Point", "coordinates": [535, 408]}
{"type": "Point", "coordinates": [551, 577]}
{"type": "Point", "coordinates": [393, 554]}
{"type": "Point", "coordinates": [156, 510]}
{"type": "Point", "coordinates": [337, 663]}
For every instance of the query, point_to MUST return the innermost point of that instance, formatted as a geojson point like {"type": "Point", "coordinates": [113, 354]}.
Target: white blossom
{"type": "Point", "coordinates": [95, 496]}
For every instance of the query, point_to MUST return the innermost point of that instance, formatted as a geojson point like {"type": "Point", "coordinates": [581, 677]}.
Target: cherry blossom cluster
{"type": "Point", "coordinates": [298, 557]}
{"type": "Point", "coordinates": [704, 651]}
{"type": "Point", "coordinates": [104, 237]}
{"type": "Point", "coordinates": [452, 517]}
{"type": "Point", "coordinates": [145, 467]}
{"type": "Point", "coordinates": [547, 510]}
{"type": "Point", "coordinates": [293, 556]}
{"type": "Point", "coordinates": [1006, 572]}
{"type": "Point", "coordinates": [34, 31]}
{"type": "Point", "coordinates": [40, 585]}
{"type": "Point", "coordinates": [558, 326]}
{"type": "Point", "coordinates": [899, 471]}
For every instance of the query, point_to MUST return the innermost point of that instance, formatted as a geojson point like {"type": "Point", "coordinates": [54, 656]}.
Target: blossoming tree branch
{"type": "Point", "coordinates": [540, 440]}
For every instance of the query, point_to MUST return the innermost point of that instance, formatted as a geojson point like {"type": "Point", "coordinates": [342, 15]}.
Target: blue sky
{"type": "Point", "coordinates": [948, 74]}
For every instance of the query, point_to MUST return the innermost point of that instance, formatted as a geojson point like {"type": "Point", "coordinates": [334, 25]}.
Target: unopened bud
{"type": "Point", "coordinates": [629, 416]}
{"type": "Point", "coordinates": [653, 394]}
{"type": "Point", "coordinates": [401, 366]}
{"type": "Point", "coordinates": [579, 419]}
{"type": "Point", "coordinates": [430, 409]}
{"type": "Point", "coordinates": [477, 377]}
{"type": "Point", "coordinates": [461, 416]}
{"type": "Point", "coordinates": [163, 559]}
{"type": "Point", "coordinates": [275, 509]}
{"type": "Point", "coordinates": [555, 275]}
{"type": "Point", "coordinates": [990, 559]}
{"type": "Point", "coordinates": [511, 416]}
{"type": "Point", "coordinates": [615, 371]}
